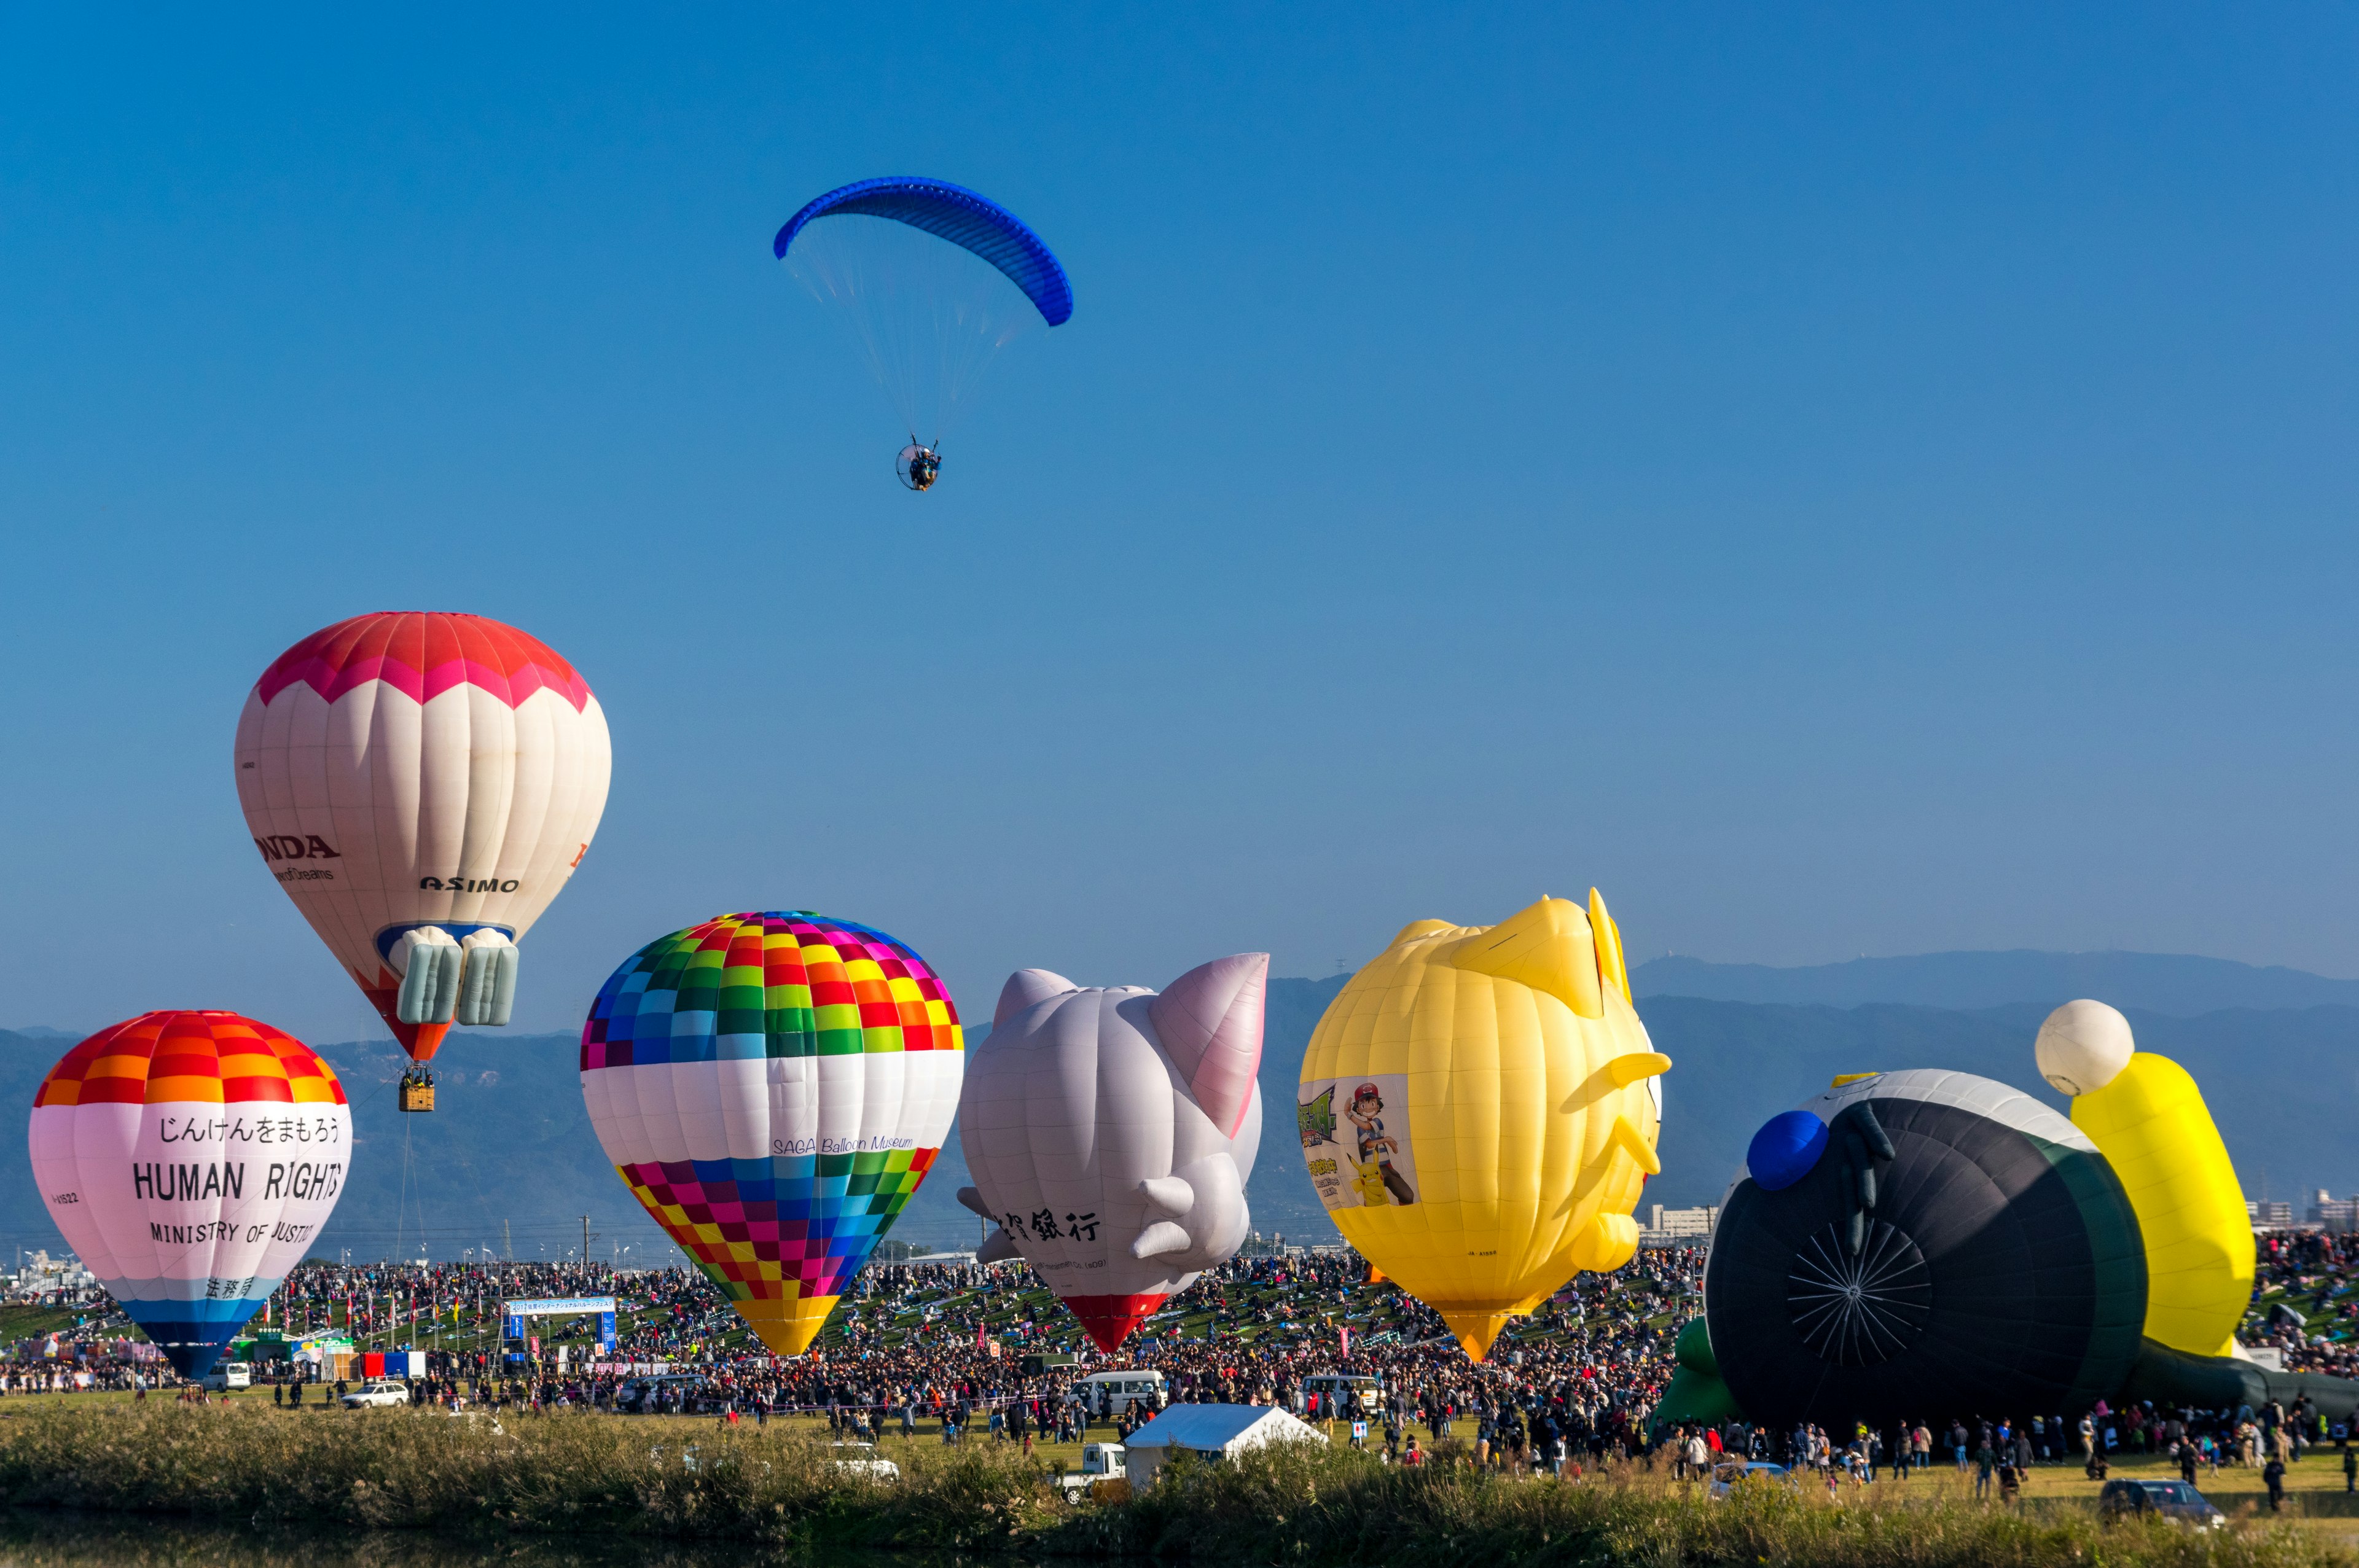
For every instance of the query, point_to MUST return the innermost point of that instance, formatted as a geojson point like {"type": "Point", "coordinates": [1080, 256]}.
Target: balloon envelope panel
{"type": "Point", "coordinates": [400, 769]}
{"type": "Point", "coordinates": [189, 1159]}
{"type": "Point", "coordinates": [2151, 1122]}
{"type": "Point", "coordinates": [773, 1087]}
{"type": "Point", "coordinates": [2001, 1271]}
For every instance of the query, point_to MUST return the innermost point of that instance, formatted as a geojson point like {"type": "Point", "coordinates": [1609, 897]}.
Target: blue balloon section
{"type": "Point", "coordinates": [1783, 1151]}
{"type": "Point", "coordinates": [967, 220]}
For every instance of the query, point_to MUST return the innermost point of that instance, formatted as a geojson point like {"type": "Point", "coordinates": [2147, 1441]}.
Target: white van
{"type": "Point", "coordinates": [228, 1375]}
{"type": "Point", "coordinates": [1120, 1391]}
{"type": "Point", "coordinates": [1342, 1396]}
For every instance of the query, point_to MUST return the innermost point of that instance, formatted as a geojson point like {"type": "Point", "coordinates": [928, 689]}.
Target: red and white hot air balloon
{"type": "Point", "coordinates": [422, 784]}
{"type": "Point", "coordinates": [190, 1160]}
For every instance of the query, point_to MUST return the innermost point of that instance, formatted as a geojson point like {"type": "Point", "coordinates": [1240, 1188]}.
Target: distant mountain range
{"type": "Point", "coordinates": [2155, 982]}
{"type": "Point", "coordinates": [509, 1160]}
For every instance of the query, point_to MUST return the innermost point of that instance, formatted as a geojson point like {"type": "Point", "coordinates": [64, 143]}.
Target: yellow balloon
{"type": "Point", "coordinates": [1478, 1111]}
{"type": "Point", "coordinates": [2151, 1124]}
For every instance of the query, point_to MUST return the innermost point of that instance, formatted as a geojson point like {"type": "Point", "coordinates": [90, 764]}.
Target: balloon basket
{"type": "Point", "coordinates": [417, 1092]}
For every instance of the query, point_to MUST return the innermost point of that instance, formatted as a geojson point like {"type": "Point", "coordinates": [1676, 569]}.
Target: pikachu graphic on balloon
{"type": "Point", "coordinates": [1479, 1108]}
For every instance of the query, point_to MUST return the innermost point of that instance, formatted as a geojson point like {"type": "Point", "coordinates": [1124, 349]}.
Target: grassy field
{"type": "Point", "coordinates": [525, 1477]}
{"type": "Point", "coordinates": [2317, 1505]}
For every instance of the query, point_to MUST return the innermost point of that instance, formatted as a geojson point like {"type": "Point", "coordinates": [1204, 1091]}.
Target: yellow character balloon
{"type": "Point", "coordinates": [2147, 1116]}
{"type": "Point", "coordinates": [1479, 1110]}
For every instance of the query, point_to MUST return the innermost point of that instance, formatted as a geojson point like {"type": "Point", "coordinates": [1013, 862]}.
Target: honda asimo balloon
{"type": "Point", "coordinates": [190, 1160]}
{"type": "Point", "coordinates": [1110, 1133]}
{"type": "Point", "coordinates": [422, 785]}
{"type": "Point", "coordinates": [773, 1087]}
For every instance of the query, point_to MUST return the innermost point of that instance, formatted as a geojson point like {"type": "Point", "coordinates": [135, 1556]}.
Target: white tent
{"type": "Point", "coordinates": [1214, 1430]}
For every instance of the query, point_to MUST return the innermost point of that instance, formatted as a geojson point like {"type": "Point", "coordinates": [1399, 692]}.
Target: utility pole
{"type": "Point", "coordinates": [585, 1241]}
{"type": "Point", "coordinates": [508, 1242]}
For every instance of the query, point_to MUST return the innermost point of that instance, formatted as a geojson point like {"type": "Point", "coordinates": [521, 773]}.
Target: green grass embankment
{"type": "Point", "coordinates": [575, 1474]}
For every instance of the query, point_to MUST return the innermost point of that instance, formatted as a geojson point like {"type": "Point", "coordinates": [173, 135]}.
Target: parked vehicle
{"type": "Point", "coordinates": [1342, 1395]}
{"type": "Point", "coordinates": [673, 1392]}
{"type": "Point", "coordinates": [228, 1375]}
{"type": "Point", "coordinates": [1728, 1476]}
{"type": "Point", "coordinates": [2170, 1500]}
{"type": "Point", "coordinates": [1100, 1462]}
{"type": "Point", "coordinates": [377, 1392]}
{"type": "Point", "coordinates": [865, 1462]}
{"type": "Point", "coordinates": [1120, 1391]}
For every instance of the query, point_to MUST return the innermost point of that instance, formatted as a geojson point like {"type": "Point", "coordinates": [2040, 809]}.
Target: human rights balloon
{"type": "Point", "coordinates": [933, 280]}
{"type": "Point", "coordinates": [190, 1160]}
{"type": "Point", "coordinates": [772, 1087]}
{"type": "Point", "coordinates": [1479, 1108]}
{"type": "Point", "coordinates": [1110, 1133]}
{"type": "Point", "coordinates": [422, 785]}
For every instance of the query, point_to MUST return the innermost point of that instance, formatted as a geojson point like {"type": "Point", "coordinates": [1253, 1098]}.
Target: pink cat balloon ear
{"type": "Point", "coordinates": [1026, 987]}
{"type": "Point", "coordinates": [1209, 1021]}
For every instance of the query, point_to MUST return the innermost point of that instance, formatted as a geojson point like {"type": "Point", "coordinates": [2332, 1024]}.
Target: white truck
{"type": "Point", "coordinates": [1100, 1462]}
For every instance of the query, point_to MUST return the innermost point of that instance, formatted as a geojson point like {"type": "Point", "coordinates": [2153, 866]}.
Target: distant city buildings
{"type": "Point", "coordinates": [2270, 1216]}
{"type": "Point", "coordinates": [2340, 1216]}
{"type": "Point", "coordinates": [38, 1274]}
{"type": "Point", "coordinates": [1677, 1227]}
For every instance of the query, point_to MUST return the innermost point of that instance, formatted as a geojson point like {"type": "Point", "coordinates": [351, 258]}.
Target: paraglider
{"type": "Point", "coordinates": [422, 785]}
{"type": "Point", "coordinates": [919, 467]}
{"type": "Point", "coordinates": [1479, 1108]}
{"type": "Point", "coordinates": [933, 280]}
{"type": "Point", "coordinates": [190, 1160]}
{"type": "Point", "coordinates": [1111, 1132]}
{"type": "Point", "coordinates": [773, 1087]}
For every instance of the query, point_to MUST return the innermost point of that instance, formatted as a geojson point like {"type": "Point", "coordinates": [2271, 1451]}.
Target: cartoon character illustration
{"type": "Point", "coordinates": [1378, 1180]}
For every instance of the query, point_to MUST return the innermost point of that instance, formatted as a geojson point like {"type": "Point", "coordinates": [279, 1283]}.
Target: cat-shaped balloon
{"type": "Point", "coordinates": [1110, 1133]}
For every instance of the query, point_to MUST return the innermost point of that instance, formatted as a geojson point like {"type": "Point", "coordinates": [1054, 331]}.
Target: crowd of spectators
{"type": "Point", "coordinates": [958, 1350]}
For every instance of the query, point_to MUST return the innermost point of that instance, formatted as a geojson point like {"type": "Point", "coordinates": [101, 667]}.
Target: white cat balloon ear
{"type": "Point", "coordinates": [1209, 1020]}
{"type": "Point", "coordinates": [1026, 987]}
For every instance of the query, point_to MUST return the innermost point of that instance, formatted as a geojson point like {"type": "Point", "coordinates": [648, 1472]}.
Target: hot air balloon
{"type": "Point", "coordinates": [422, 785]}
{"type": "Point", "coordinates": [1110, 1133]}
{"type": "Point", "coordinates": [1940, 1232]}
{"type": "Point", "coordinates": [1478, 1110]}
{"type": "Point", "coordinates": [190, 1159]}
{"type": "Point", "coordinates": [1934, 1241]}
{"type": "Point", "coordinates": [933, 280]}
{"type": "Point", "coordinates": [773, 1087]}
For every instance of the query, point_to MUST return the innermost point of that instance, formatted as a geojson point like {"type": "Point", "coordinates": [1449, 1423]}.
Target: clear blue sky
{"type": "Point", "coordinates": [1842, 481]}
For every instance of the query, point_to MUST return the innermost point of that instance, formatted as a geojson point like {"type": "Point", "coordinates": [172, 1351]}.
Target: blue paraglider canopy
{"type": "Point", "coordinates": [966, 219]}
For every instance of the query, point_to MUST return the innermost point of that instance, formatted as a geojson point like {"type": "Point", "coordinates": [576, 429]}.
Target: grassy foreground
{"type": "Point", "coordinates": [574, 1476]}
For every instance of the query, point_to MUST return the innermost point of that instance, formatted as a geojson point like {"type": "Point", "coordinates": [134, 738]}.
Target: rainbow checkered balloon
{"type": "Point", "coordinates": [773, 1087]}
